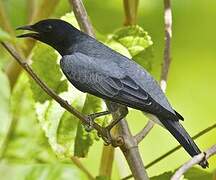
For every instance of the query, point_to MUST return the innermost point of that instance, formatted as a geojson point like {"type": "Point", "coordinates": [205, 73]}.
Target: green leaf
{"type": "Point", "coordinates": [164, 176]}
{"type": "Point", "coordinates": [144, 58]}
{"type": "Point", "coordinates": [46, 67]}
{"type": "Point", "coordinates": [68, 127]}
{"type": "Point", "coordinates": [40, 171]}
{"type": "Point", "coordinates": [5, 115]}
{"type": "Point", "coordinates": [84, 140]}
{"type": "Point", "coordinates": [4, 36]}
{"type": "Point", "coordinates": [118, 47]}
{"type": "Point", "coordinates": [197, 174]}
{"type": "Point", "coordinates": [27, 142]}
{"type": "Point", "coordinates": [191, 174]}
{"type": "Point", "coordinates": [134, 38]}
{"type": "Point", "coordinates": [133, 42]}
{"type": "Point", "coordinates": [70, 18]}
{"type": "Point", "coordinates": [102, 178]}
{"type": "Point", "coordinates": [60, 126]}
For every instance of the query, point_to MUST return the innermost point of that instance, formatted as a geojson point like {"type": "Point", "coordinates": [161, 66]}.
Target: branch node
{"type": "Point", "coordinates": [119, 141]}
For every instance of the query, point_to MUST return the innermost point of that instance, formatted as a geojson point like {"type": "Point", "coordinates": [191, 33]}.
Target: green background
{"type": "Point", "coordinates": [192, 78]}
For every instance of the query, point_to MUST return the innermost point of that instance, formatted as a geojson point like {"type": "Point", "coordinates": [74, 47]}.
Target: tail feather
{"type": "Point", "coordinates": [178, 131]}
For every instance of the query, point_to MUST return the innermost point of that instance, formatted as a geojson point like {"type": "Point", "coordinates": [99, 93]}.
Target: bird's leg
{"type": "Point", "coordinates": [108, 138]}
{"type": "Point", "coordinates": [92, 117]}
{"type": "Point", "coordinates": [114, 122]}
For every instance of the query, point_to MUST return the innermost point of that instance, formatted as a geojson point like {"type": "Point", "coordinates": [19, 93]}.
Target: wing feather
{"type": "Point", "coordinates": [115, 83]}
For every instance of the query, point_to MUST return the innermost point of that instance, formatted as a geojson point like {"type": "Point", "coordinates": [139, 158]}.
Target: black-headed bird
{"type": "Point", "coordinates": [94, 68]}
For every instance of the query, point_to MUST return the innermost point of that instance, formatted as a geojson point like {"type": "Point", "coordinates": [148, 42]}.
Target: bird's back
{"type": "Point", "coordinates": [109, 59]}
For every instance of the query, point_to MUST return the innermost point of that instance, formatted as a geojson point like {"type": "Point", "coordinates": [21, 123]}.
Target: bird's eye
{"type": "Point", "coordinates": [48, 28]}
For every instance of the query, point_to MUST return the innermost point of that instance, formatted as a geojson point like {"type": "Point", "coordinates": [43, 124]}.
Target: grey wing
{"type": "Point", "coordinates": [111, 82]}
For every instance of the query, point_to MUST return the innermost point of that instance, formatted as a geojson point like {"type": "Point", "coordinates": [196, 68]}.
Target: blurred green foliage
{"type": "Point", "coordinates": [43, 57]}
{"type": "Point", "coordinates": [44, 136]}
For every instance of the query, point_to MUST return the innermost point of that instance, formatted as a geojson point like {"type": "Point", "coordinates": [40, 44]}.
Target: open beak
{"type": "Point", "coordinates": [34, 34]}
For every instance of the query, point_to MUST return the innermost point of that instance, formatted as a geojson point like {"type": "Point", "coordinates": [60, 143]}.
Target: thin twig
{"type": "Point", "coordinates": [144, 132]}
{"type": "Point", "coordinates": [195, 160]}
{"type": "Point", "coordinates": [84, 119]}
{"type": "Point", "coordinates": [174, 149]}
{"type": "Point", "coordinates": [167, 49]}
{"type": "Point", "coordinates": [165, 66]}
{"type": "Point", "coordinates": [77, 162]}
{"type": "Point", "coordinates": [82, 17]}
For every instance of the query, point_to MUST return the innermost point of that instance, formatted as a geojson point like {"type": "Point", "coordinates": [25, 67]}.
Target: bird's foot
{"type": "Point", "coordinates": [91, 117]}
{"type": "Point", "coordinates": [108, 139]}
{"type": "Point", "coordinates": [106, 136]}
{"type": "Point", "coordinates": [89, 127]}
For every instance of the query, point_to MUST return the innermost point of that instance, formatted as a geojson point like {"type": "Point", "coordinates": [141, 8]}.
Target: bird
{"type": "Point", "coordinates": [94, 68]}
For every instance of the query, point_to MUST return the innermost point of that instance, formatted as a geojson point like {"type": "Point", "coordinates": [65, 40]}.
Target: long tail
{"type": "Point", "coordinates": [178, 131]}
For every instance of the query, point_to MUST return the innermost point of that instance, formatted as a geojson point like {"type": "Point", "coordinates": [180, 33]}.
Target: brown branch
{"type": "Point", "coordinates": [195, 160]}
{"type": "Point", "coordinates": [77, 162]}
{"type": "Point", "coordinates": [82, 17]}
{"type": "Point", "coordinates": [167, 49]}
{"type": "Point", "coordinates": [84, 119]}
{"type": "Point", "coordinates": [125, 139]}
{"type": "Point", "coordinates": [144, 132]}
{"type": "Point", "coordinates": [165, 66]}
{"type": "Point", "coordinates": [131, 152]}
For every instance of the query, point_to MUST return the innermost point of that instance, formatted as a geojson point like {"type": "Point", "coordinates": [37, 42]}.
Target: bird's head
{"type": "Point", "coordinates": [54, 32]}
